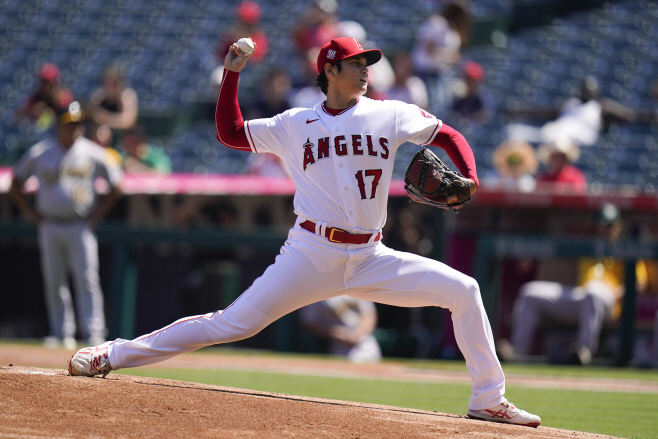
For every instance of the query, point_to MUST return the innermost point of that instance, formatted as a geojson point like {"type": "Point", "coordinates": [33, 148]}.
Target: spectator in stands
{"type": "Point", "coordinates": [114, 103]}
{"type": "Point", "coordinates": [347, 324]}
{"type": "Point", "coordinates": [102, 135]}
{"type": "Point", "coordinates": [580, 119]}
{"type": "Point", "coordinates": [273, 97]}
{"type": "Point", "coordinates": [246, 25]}
{"type": "Point", "coordinates": [42, 106]}
{"type": "Point", "coordinates": [437, 50]}
{"type": "Point", "coordinates": [306, 93]}
{"type": "Point", "coordinates": [595, 301]}
{"type": "Point", "coordinates": [561, 175]}
{"type": "Point", "coordinates": [515, 163]}
{"type": "Point", "coordinates": [141, 156]}
{"type": "Point", "coordinates": [407, 87]}
{"type": "Point", "coordinates": [473, 105]}
{"type": "Point", "coordinates": [317, 25]}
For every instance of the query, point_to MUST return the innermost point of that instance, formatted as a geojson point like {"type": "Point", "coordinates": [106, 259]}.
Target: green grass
{"type": "Point", "coordinates": [540, 369]}
{"type": "Point", "coordinates": [549, 370]}
{"type": "Point", "coordinates": [594, 412]}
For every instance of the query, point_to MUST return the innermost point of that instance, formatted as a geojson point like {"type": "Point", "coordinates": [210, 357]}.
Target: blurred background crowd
{"type": "Point", "coordinates": [550, 94]}
{"type": "Point", "coordinates": [531, 72]}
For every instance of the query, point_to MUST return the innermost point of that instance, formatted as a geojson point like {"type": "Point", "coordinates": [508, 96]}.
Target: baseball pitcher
{"type": "Point", "coordinates": [340, 155]}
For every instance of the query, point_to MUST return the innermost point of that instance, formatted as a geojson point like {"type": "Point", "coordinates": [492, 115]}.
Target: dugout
{"type": "Point", "coordinates": [155, 269]}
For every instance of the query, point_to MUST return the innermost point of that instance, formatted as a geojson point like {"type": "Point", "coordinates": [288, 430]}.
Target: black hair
{"type": "Point", "coordinates": [323, 82]}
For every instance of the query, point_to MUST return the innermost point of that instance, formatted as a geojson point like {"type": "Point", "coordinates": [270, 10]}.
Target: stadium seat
{"type": "Point", "coordinates": [167, 49]}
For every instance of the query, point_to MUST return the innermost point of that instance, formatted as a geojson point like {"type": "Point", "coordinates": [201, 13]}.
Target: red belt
{"type": "Point", "coordinates": [337, 235]}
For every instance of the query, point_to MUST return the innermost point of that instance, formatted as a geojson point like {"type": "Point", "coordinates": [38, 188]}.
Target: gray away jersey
{"type": "Point", "coordinates": [66, 177]}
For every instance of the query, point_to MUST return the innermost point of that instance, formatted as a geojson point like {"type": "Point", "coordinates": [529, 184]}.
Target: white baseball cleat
{"type": "Point", "coordinates": [505, 412]}
{"type": "Point", "coordinates": [91, 361]}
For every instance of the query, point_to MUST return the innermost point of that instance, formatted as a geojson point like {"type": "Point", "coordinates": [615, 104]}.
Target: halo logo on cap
{"type": "Point", "coordinates": [344, 47]}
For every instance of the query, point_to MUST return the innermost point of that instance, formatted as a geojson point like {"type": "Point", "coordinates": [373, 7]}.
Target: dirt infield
{"type": "Point", "coordinates": [37, 356]}
{"type": "Point", "coordinates": [40, 403]}
{"type": "Point", "coordinates": [37, 401]}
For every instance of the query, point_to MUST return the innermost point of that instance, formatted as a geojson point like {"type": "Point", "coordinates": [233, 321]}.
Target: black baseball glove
{"type": "Point", "coordinates": [428, 180]}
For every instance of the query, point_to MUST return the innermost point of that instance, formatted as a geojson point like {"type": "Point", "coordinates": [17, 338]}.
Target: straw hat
{"type": "Point", "coordinates": [562, 145]}
{"type": "Point", "coordinates": [515, 158]}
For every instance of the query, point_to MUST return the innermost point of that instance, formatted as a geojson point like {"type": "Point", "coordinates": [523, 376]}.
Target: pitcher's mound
{"type": "Point", "coordinates": [50, 403]}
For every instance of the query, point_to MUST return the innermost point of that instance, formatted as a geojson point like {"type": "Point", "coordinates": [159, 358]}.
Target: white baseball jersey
{"type": "Point", "coordinates": [342, 166]}
{"type": "Point", "coordinates": [66, 177]}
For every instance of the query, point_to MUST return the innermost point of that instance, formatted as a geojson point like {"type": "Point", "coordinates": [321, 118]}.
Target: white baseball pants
{"type": "Point", "coordinates": [71, 247]}
{"type": "Point", "coordinates": [310, 269]}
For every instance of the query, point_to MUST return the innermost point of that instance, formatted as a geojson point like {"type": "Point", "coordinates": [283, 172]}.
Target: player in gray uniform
{"type": "Point", "coordinates": [347, 323]}
{"type": "Point", "coordinates": [66, 212]}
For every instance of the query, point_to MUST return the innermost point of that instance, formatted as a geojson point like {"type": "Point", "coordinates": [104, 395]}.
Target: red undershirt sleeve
{"type": "Point", "coordinates": [228, 117]}
{"type": "Point", "coordinates": [458, 149]}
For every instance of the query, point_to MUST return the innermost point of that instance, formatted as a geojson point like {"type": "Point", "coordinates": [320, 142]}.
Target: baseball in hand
{"type": "Point", "coordinates": [245, 45]}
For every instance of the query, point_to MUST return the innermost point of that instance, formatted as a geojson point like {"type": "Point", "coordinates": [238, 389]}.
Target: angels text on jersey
{"type": "Point", "coordinates": [360, 145]}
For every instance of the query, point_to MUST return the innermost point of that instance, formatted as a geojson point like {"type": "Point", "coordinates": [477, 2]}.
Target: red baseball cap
{"type": "Point", "coordinates": [49, 72]}
{"type": "Point", "coordinates": [249, 12]}
{"type": "Point", "coordinates": [344, 47]}
{"type": "Point", "coordinates": [474, 70]}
